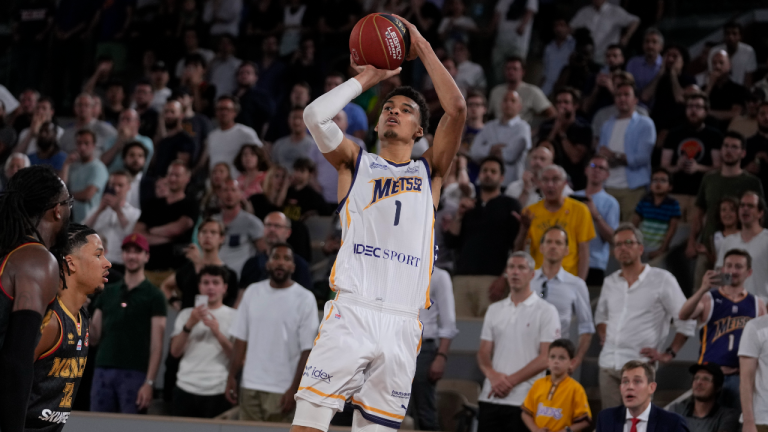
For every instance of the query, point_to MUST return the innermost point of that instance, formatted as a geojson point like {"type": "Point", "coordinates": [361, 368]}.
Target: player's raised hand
{"type": "Point", "coordinates": [414, 34]}
{"type": "Point", "coordinates": [369, 76]}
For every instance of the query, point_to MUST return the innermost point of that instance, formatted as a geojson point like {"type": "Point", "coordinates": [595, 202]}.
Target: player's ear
{"type": "Point", "coordinates": [69, 264]}
{"type": "Point", "coordinates": [419, 133]}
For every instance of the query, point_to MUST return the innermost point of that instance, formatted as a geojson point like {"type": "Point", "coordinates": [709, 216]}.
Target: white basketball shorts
{"type": "Point", "coordinates": [365, 354]}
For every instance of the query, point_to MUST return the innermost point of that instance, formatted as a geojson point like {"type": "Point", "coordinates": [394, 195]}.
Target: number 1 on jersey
{"type": "Point", "coordinates": [398, 204]}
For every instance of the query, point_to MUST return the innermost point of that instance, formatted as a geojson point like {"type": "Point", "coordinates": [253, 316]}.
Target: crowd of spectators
{"type": "Point", "coordinates": [185, 148]}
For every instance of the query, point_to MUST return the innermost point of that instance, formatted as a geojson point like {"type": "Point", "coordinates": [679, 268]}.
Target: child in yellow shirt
{"type": "Point", "coordinates": [557, 402]}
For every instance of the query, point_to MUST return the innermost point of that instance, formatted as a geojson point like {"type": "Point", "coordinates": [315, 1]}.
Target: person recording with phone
{"type": "Point", "coordinates": [114, 218]}
{"type": "Point", "coordinates": [200, 338]}
{"type": "Point", "coordinates": [722, 308]}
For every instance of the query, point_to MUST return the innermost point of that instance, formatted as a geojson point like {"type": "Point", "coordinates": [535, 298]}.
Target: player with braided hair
{"type": "Point", "coordinates": [34, 215]}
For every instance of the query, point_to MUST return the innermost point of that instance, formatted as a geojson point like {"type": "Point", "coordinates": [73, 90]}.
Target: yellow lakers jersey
{"type": "Point", "coordinates": [387, 221]}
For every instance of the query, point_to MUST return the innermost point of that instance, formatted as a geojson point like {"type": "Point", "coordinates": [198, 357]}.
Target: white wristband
{"type": "Point", "coordinates": [318, 116]}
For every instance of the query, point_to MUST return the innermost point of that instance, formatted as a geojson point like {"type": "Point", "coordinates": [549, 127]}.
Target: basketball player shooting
{"type": "Point", "coordinates": [62, 352]}
{"type": "Point", "coordinates": [368, 341]}
{"type": "Point", "coordinates": [34, 215]}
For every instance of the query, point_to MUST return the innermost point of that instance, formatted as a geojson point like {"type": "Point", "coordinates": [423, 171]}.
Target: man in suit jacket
{"type": "Point", "coordinates": [638, 414]}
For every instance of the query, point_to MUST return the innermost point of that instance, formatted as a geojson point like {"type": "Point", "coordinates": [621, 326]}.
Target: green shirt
{"type": "Point", "coordinates": [127, 324]}
{"type": "Point", "coordinates": [715, 187]}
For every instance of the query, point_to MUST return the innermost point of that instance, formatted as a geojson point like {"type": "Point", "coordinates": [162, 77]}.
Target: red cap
{"type": "Point", "coordinates": [136, 240]}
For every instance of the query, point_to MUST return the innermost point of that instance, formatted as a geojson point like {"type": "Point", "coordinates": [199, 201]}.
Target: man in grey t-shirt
{"type": "Point", "coordinates": [244, 230]}
{"type": "Point", "coordinates": [297, 145]}
{"type": "Point", "coordinates": [701, 410]}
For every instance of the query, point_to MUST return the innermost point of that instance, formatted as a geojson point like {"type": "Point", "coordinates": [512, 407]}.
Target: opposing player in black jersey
{"type": "Point", "coordinates": [63, 349]}
{"type": "Point", "coordinates": [34, 213]}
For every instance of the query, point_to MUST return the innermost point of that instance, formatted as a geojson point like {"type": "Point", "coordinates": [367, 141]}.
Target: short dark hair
{"type": "Point", "coordinates": [251, 64]}
{"type": "Point", "coordinates": [121, 172]}
{"type": "Point", "coordinates": [417, 97]}
{"type": "Point", "coordinates": [303, 84]}
{"type": "Point", "coordinates": [195, 59]}
{"type": "Point", "coordinates": [213, 270]}
{"type": "Point", "coordinates": [235, 101]}
{"type": "Point", "coordinates": [613, 47]}
{"type": "Point", "coordinates": [565, 344]}
{"type": "Point", "coordinates": [47, 100]}
{"type": "Point", "coordinates": [554, 228]}
{"type": "Point", "coordinates": [304, 164]}
{"type": "Point", "coordinates": [336, 74]}
{"type": "Point", "coordinates": [735, 135]}
{"type": "Point", "coordinates": [664, 171]}
{"type": "Point", "coordinates": [739, 252]}
{"type": "Point", "coordinates": [132, 144]}
{"type": "Point", "coordinates": [733, 25]}
{"type": "Point", "coordinates": [279, 245]}
{"type": "Point", "coordinates": [650, 373]}
{"type": "Point", "coordinates": [77, 237]}
{"type": "Point", "coordinates": [760, 200]}
{"type": "Point", "coordinates": [263, 163]}
{"type": "Point", "coordinates": [144, 82]}
{"type": "Point", "coordinates": [599, 156]}
{"type": "Point", "coordinates": [85, 131]}
{"type": "Point", "coordinates": [115, 82]}
{"type": "Point", "coordinates": [495, 159]}
{"type": "Point", "coordinates": [575, 94]}
{"type": "Point", "coordinates": [515, 58]}
{"type": "Point", "coordinates": [477, 94]}
{"type": "Point", "coordinates": [698, 95]}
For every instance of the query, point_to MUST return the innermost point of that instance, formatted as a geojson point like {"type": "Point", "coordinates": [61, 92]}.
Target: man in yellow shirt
{"type": "Point", "coordinates": [573, 216]}
{"type": "Point", "coordinates": [557, 401]}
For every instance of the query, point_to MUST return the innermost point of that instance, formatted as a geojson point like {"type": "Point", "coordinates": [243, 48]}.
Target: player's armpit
{"type": "Point", "coordinates": [344, 156]}
{"type": "Point", "coordinates": [36, 278]}
{"type": "Point", "coordinates": [446, 142]}
{"type": "Point", "coordinates": [50, 336]}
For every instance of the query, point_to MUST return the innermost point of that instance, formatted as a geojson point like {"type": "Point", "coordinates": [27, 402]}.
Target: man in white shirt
{"type": "Point", "coordinates": [225, 141]}
{"type": "Point", "coordinates": [201, 338]}
{"type": "Point", "coordinates": [134, 157]}
{"type": "Point", "coordinates": [507, 137]}
{"type": "Point", "coordinates": [568, 293]}
{"type": "Point", "coordinates": [512, 21]}
{"type": "Point", "coordinates": [513, 350]}
{"type": "Point", "coordinates": [605, 22]}
{"type": "Point", "coordinates": [222, 71]}
{"type": "Point", "coordinates": [534, 101]}
{"type": "Point", "coordinates": [469, 75]}
{"type": "Point", "coordinates": [439, 327]}
{"type": "Point", "coordinates": [223, 16]}
{"type": "Point", "coordinates": [274, 331]}
{"type": "Point", "coordinates": [753, 238]}
{"type": "Point", "coordinates": [526, 190]}
{"type": "Point", "coordinates": [633, 314]}
{"type": "Point", "coordinates": [753, 365]}
{"type": "Point", "coordinates": [84, 119]}
{"type": "Point", "coordinates": [115, 217]}
{"type": "Point", "coordinates": [43, 113]}
{"type": "Point", "coordinates": [743, 61]}
{"type": "Point", "coordinates": [244, 230]}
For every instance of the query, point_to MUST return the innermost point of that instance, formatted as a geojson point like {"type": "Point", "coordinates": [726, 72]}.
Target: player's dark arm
{"type": "Point", "coordinates": [235, 366]}
{"type": "Point", "coordinates": [34, 275]}
{"type": "Point", "coordinates": [448, 134]}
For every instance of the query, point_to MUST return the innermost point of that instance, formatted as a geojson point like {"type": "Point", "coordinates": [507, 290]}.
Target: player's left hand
{"type": "Point", "coordinates": [144, 397]}
{"type": "Point", "coordinates": [287, 402]}
{"type": "Point", "coordinates": [437, 369]}
{"type": "Point", "coordinates": [415, 35]}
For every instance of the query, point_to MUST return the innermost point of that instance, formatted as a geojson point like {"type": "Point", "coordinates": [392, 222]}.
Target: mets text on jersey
{"type": "Point", "coordinates": [729, 324]}
{"type": "Point", "coordinates": [377, 252]}
{"type": "Point", "coordinates": [386, 187]}
{"type": "Point", "coordinates": [68, 367]}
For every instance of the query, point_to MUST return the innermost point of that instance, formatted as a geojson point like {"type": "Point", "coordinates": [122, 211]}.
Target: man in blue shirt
{"type": "Point", "coordinates": [605, 214]}
{"type": "Point", "coordinates": [645, 67]}
{"type": "Point", "coordinates": [566, 292]}
{"type": "Point", "coordinates": [627, 140]}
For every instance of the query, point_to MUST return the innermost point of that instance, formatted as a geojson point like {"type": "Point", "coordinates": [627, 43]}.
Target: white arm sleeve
{"type": "Point", "coordinates": [318, 116]}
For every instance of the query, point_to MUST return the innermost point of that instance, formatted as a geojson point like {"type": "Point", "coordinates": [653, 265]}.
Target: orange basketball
{"type": "Point", "coordinates": [380, 40]}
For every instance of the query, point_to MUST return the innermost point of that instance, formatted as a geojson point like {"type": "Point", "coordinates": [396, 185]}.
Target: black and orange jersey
{"type": "Point", "coordinates": [58, 371]}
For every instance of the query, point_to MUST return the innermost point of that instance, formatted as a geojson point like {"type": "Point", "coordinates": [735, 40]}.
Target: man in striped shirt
{"type": "Point", "coordinates": [657, 214]}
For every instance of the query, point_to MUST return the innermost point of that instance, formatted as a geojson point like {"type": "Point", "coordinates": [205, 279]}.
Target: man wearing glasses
{"type": "Point", "coordinates": [563, 290]}
{"type": "Point", "coordinates": [225, 141]}
{"type": "Point", "coordinates": [633, 314]}
{"type": "Point", "coordinates": [690, 151]}
{"type": "Point", "coordinates": [752, 238]}
{"type": "Point", "coordinates": [605, 215]}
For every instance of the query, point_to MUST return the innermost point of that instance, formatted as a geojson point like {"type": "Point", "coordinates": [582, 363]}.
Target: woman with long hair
{"type": "Point", "coordinates": [275, 187]}
{"type": "Point", "coordinates": [253, 164]}
{"type": "Point", "coordinates": [219, 176]}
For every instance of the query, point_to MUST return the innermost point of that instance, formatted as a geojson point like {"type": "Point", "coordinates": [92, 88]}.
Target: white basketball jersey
{"type": "Point", "coordinates": [387, 241]}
